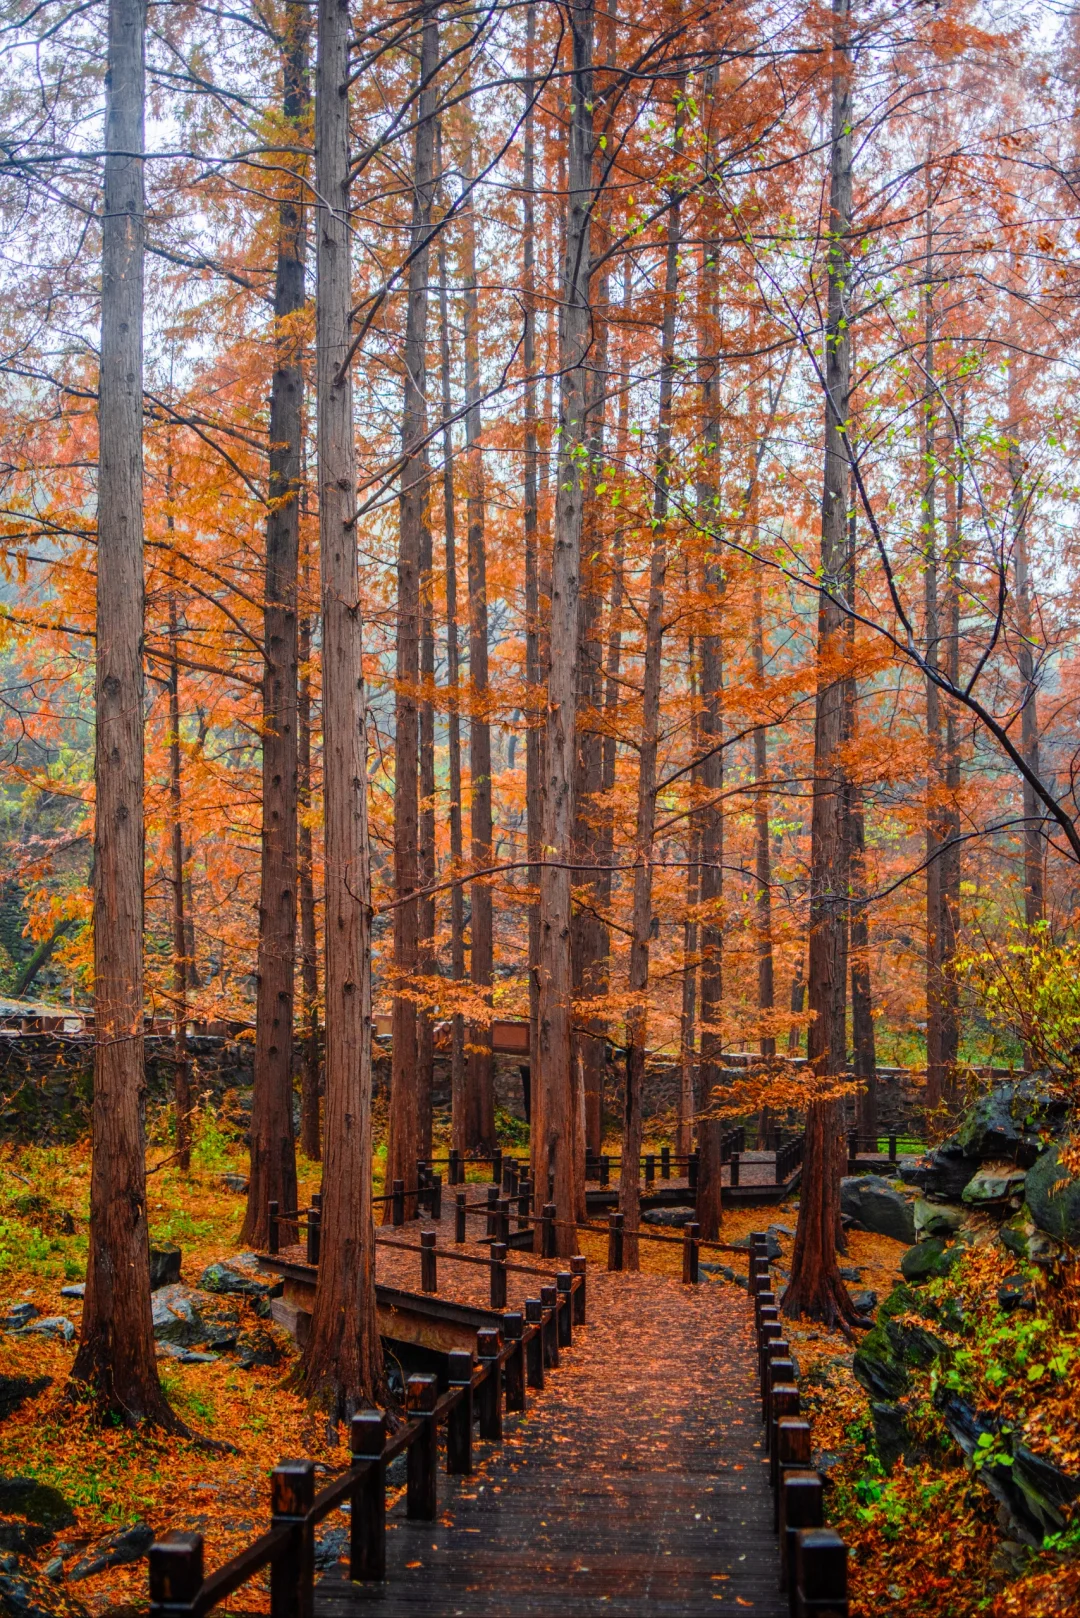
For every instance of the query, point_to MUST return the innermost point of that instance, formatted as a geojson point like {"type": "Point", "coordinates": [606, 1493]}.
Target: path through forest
{"type": "Point", "coordinates": [634, 1485]}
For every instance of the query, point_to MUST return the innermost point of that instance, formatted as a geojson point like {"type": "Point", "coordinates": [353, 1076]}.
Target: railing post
{"type": "Point", "coordinates": [429, 1275]}
{"type": "Point", "coordinates": [784, 1406]}
{"type": "Point", "coordinates": [490, 1390]}
{"type": "Point", "coordinates": [435, 1200]}
{"type": "Point", "coordinates": [421, 1185]}
{"type": "Point", "coordinates": [421, 1487]}
{"type": "Point", "coordinates": [853, 1153]}
{"type": "Point", "coordinates": [292, 1571]}
{"type": "Point", "coordinates": [820, 1574]}
{"type": "Point", "coordinates": [273, 1237]}
{"type": "Point", "coordinates": [453, 1167]}
{"type": "Point", "coordinates": [769, 1331]}
{"type": "Point", "coordinates": [534, 1348]}
{"type": "Point", "coordinates": [892, 1148]}
{"type": "Point", "coordinates": [692, 1172]}
{"type": "Point", "coordinates": [397, 1202]}
{"type": "Point", "coordinates": [367, 1529]}
{"type": "Point", "coordinates": [503, 1220]}
{"type": "Point", "coordinates": [176, 1572]}
{"type": "Point", "coordinates": [590, 1165]}
{"type": "Point", "coordinates": [650, 1171]}
{"type": "Point", "coordinates": [779, 1369]}
{"type": "Point", "coordinates": [791, 1451]}
{"type": "Point", "coordinates": [564, 1283]}
{"type": "Point", "coordinates": [498, 1275]}
{"type": "Point", "coordinates": [549, 1297]}
{"type": "Point", "coordinates": [615, 1241]}
{"type": "Point", "coordinates": [760, 1279]}
{"type": "Point", "coordinates": [734, 1168]}
{"type": "Point", "coordinates": [577, 1267]}
{"type": "Point", "coordinates": [496, 1166]}
{"type": "Point", "coordinates": [605, 1170]}
{"type": "Point", "coordinates": [802, 1505]}
{"type": "Point", "coordinates": [524, 1198]}
{"type": "Point", "coordinates": [665, 1162]}
{"type": "Point", "coordinates": [460, 1419]}
{"type": "Point", "coordinates": [691, 1251]}
{"type": "Point", "coordinates": [459, 1217]}
{"type": "Point", "coordinates": [513, 1328]}
{"type": "Point", "coordinates": [547, 1231]}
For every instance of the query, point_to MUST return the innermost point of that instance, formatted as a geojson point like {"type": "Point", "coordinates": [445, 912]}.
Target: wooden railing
{"type": "Point", "coordinates": [507, 1363]}
{"type": "Point", "coordinates": [813, 1558]}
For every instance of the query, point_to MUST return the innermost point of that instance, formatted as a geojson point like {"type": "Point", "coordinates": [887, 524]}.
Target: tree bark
{"type": "Point", "coordinates": [459, 1130]}
{"type": "Point", "coordinates": [310, 1123]}
{"type": "Point", "coordinates": [1034, 845]}
{"type": "Point", "coordinates": [815, 1288]}
{"type": "Point", "coordinates": [116, 1356]}
{"type": "Point", "coordinates": [405, 1127]}
{"type": "Point", "coordinates": [272, 1176]}
{"type": "Point", "coordinates": [766, 990]}
{"type": "Point", "coordinates": [535, 674]}
{"type": "Point", "coordinates": [935, 1077]}
{"type": "Point", "coordinates": [181, 1065]}
{"type": "Point", "coordinates": [554, 1147]}
{"type": "Point", "coordinates": [342, 1362]}
{"type": "Point", "coordinates": [481, 1062]}
{"type": "Point", "coordinates": [950, 819]}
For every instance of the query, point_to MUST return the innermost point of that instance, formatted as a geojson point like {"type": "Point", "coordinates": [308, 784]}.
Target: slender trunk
{"type": "Point", "coordinates": [181, 1065]}
{"type": "Point", "coordinates": [684, 1124]}
{"type": "Point", "coordinates": [534, 673]}
{"type": "Point", "coordinates": [481, 1070]}
{"type": "Point", "coordinates": [342, 1363]}
{"type": "Point", "coordinates": [798, 1001]}
{"type": "Point", "coordinates": [405, 1128]}
{"type": "Point", "coordinates": [458, 1102]}
{"type": "Point", "coordinates": [116, 1356]}
{"type": "Point", "coordinates": [554, 1149]}
{"type": "Point", "coordinates": [932, 634]}
{"type": "Point", "coordinates": [272, 1176]}
{"type": "Point", "coordinates": [310, 1131]}
{"type": "Point", "coordinates": [766, 995]}
{"type": "Point", "coordinates": [815, 1288]}
{"type": "Point", "coordinates": [1034, 846]}
{"type": "Point", "coordinates": [425, 1030]}
{"type": "Point", "coordinates": [862, 1012]}
{"type": "Point", "coordinates": [950, 820]}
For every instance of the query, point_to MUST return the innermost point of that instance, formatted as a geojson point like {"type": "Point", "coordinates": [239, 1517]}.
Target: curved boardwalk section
{"type": "Point", "coordinates": [635, 1484]}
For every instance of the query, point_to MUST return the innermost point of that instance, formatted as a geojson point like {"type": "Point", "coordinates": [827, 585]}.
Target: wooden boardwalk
{"type": "Point", "coordinates": [634, 1486]}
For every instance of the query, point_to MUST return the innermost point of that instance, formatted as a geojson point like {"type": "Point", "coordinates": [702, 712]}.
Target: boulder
{"type": "Point", "coordinates": [18, 1316]}
{"type": "Point", "coordinates": [772, 1246]}
{"type": "Point", "coordinates": [1005, 1123]}
{"type": "Point", "coordinates": [255, 1348]}
{"type": "Point", "coordinates": [927, 1260]}
{"type": "Point", "coordinates": [164, 1266]}
{"type": "Point", "coordinates": [937, 1218]}
{"type": "Point", "coordinates": [19, 1537]}
{"type": "Point", "coordinates": [947, 1171]}
{"type": "Point", "coordinates": [864, 1301]}
{"type": "Point", "coordinates": [1016, 1292]}
{"type": "Point", "coordinates": [671, 1216]}
{"type": "Point", "coordinates": [38, 1502]}
{"type": "Point", "coordinates": [878, 1369]}
{"type": "Point", "coordinates": [994, 1186]}
{"type": "Point", "coordinates": [176, 1316]}
{"type": "Point", "coordinates": [15, 1390]}
{"type": "Point", "coordinates": [1035, 1493]}
{"type": "Point", "coordinates": [127, 1546]}
{"type": "Point", "coordinates": [58, 1326]}
{"type": "Point", "coordinates": [1053, 1197]}
{"type": "Point", "coordinates": [878, 1207]}
{"type": "Point", "coordinates": [186, 1356]}
{"type": "Point", "coordinates": [26, 1595]}
{"type": "Point", "coordinates": [229, 1283]}
{"type": "Point", "coordinates": [77, 1289]}
{"type": "Point", "coordinates": [890, 1431]}
{"type": "Point", "coordinates": [235, 1182]}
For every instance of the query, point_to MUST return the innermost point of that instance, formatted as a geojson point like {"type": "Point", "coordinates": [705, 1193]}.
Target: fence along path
{"type": "Point", "coordinates": [635, 1485]}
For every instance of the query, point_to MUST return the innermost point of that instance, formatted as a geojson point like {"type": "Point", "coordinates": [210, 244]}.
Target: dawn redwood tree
{"type": "Point", "coordinates": [341, 1365]}
{"type": "Point", "coordinates": [116, 1359]}
{"type": "Point", "coordinates": [273, 1144]}
{"type": "Point", "coordinates": [815, 1288]}
{"type": "Point", "coordinates": [554, 1113]}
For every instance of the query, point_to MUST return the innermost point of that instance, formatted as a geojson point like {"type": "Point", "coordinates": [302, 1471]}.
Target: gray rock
{"type": "Point", "coordinates": [21, 1537]}
{"type": "Point", "coordinates": [993, 1187]}
{"type": "Point", "coordinates": [780, 1230]}
{"type": "Point", "coordinates": [54, 1569]}
{"type": "Point", "coordinates": [1036, 1494]}
{"type": "Point", "coordinates": [18, 1316]}
{"type": "Point", "coordinates": [235, 1182]}
{"type": "Point", "coordinates": [227, 1282]}
{"type": "Point", "coordinates": [76, 1290]}
{"type": "Point", "coordinates": [937, 1218]}
{"type": "Point", "coordinates": [58, 1326]}
{"type": "Point", "coordinates": [26, 1595]}
{"type": "Point", "coordinates": [254, 1348]}
{"type": "Point", "coordinates": [15, 1390]}
{"type": "Point", "coordinates": [927, 1260]}
{"type": "Point", "coordinates": [772, 1246]}
{"type": "Point", "coordinates": [176, 1316]}
{"type": "Point", "coordinates": [185, 1356]}
{"type": "Point", "coordinates": [865, 1301]}
{"type": "Point", "coordinates": [851, 1272]}
{"type": "Point", "coordinates": [127, 1546]}
{"type": "Point", "coordinates": [164, 1266]}
{"type": "Point", "coordinates": [1015, 1292]}
{"type": "Point", "coordinates": [38, 1502]}
{"type": "Point", "coordinates": [1053, 1197]}
{"type": "Point", "coordinates": [331, 1548]}
{"type": "Point", "coordinates": [1005, 1123]}
{"type": "Point", "coordinates": [669, 1216]}
{"type": "Point", "coordinates": [878, 1207]}
{"type": "Point", "coordinates": [947, 1171]}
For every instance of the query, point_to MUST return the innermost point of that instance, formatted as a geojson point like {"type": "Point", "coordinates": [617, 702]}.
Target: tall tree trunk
{"type": "Point", "coordinates": [116, 1356]}
{"type": "Point", "coordinates": [181, 1064]}
{"type": "Point", "coordinates": [310, 1130]}
{"type": "Point", "coordinates": [798, 1001]}
{"type": "Point", "coordinates": [272, 1176]}
{"type": "Point", "coordinates": [534, 672]}
{"type": "Point", "coordinates": [425, 1029]}
{"type": "Point", "coordinates": [932, 635]}
{"type": "Point", "coordinates": [815, 1288]}
{"type": "Point", "coordinates": [766, 995]}
{"type": "Point", "coordinates": [481, 1069]}
{"type": "Point", "coordinates": [459, 1130]}
{"type": "Point", "coordinates": [950, 820]}
{"type": "Point", "coordinates": [554, 1147]}
{"type": "Point", "coordinates": [405, 1128]}
{"type": "Point", "coordinates": [684, 1112]}
{"type": "Point", "coordinates": [862, 1010]}
{"type": "Point", "coordinates": [342, 1363]}
{"type": "Point", "coordinates": [1034, 845]}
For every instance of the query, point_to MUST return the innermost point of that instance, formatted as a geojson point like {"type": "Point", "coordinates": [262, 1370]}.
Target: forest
{"type": "Point", "coordinates": [539, 628]}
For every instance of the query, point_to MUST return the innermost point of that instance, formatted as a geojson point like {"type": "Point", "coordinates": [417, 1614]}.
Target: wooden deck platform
{"type": "Point", "coordinates": [634, 1485]}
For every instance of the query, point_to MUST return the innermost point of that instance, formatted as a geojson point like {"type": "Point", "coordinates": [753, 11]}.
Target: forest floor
{"type": "Point", "coordinates": [924, 1538]}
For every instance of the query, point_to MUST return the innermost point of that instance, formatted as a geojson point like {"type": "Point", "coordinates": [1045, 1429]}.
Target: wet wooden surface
{"type": "Point", "coordinates": [634, 1485]}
